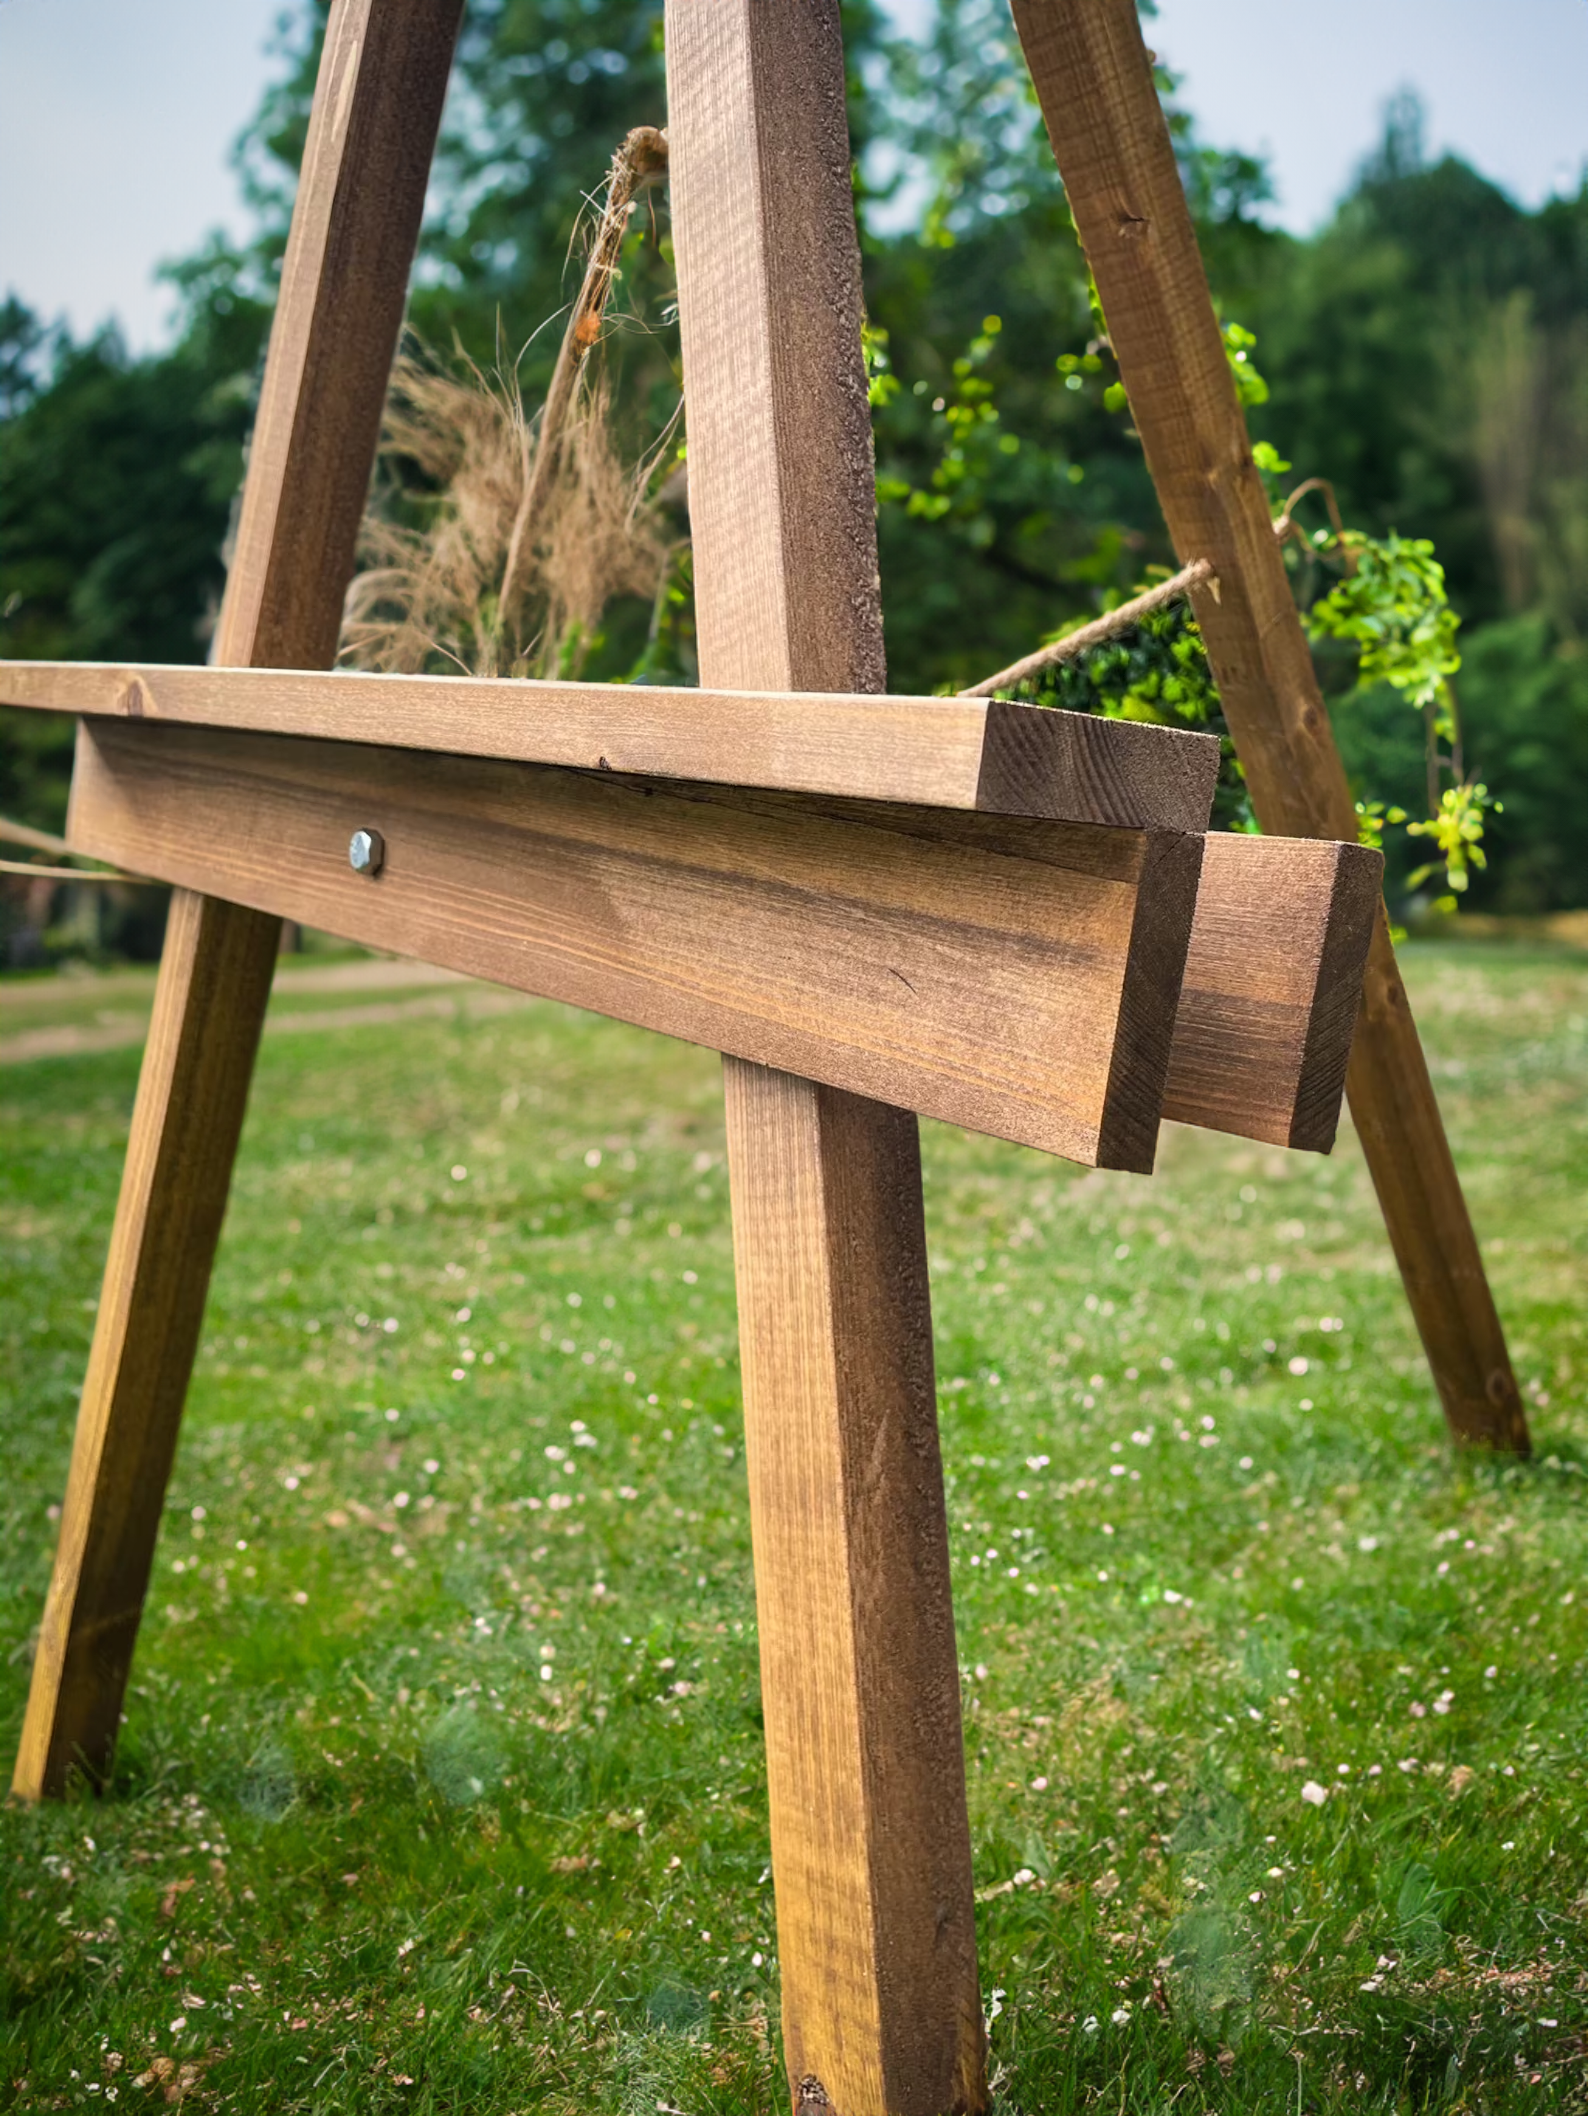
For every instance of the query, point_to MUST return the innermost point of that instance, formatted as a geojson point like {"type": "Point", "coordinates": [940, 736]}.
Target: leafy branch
{"type": "Point", "coordinates": [1387, 599]}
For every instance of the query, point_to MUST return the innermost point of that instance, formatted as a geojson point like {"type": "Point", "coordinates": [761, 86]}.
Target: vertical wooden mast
{"type": "Point", "coordinates": [860, 1683]}
{"type": "Point", "coordinates": [377, 108]}
{"type": "Point", "coordinates": [1093, 77]}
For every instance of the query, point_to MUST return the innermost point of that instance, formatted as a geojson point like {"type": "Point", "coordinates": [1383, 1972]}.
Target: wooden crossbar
{"type": "Point", "coordinates": [1265, 1017]}
{"type": "Point", "coordinates": [956, 963]}
{"type": "Point", "coordinates": [993, 755]}
{"type": "Point", "coordinates": [1016, 976]}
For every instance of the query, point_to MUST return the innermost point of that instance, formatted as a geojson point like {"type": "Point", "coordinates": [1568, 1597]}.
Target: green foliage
{"type": "Point", "coordinates": [1385, 369]}
{"type": "Point", "coordinates": [965, 477]}
{"type": "Point", "coordinates": [1391, 606]}
{"type": "Point", "coordinates": [116, 478]}
{"type": "Point", "coordinates": [116, 483]}
{"type": "Point", "coordinates": [1457, 831]}
{"type": "Point", "coordinates": [1524, 713]}
{"type": "Point", "coordinates": [1249, 384]}
{"type": "Point", "coordinates": [1373, 817]}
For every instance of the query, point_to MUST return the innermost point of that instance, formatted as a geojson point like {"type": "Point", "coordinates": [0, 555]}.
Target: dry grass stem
{"type": "Point", "coordinates": [65, 874]}
{"type": "Point", "coordinates": [538, 523]}
{"type": "Point", "coordinates": [642, 156]}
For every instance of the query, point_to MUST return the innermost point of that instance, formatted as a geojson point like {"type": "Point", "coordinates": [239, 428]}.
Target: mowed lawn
{"type": "Point", "coordinates": [441, 1787]}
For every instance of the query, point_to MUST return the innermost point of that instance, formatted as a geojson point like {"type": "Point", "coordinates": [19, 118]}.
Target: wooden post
{"type": "Point", "coordinates": [860, 1683]}
{"type": "Point", "coordinates": [377, 107]}
{"type": "Point", "coordinates": [1093, 77]}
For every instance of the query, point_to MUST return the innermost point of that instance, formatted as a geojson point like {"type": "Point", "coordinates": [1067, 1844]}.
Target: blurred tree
{"type": "Point", "coordinates": [117, 477]}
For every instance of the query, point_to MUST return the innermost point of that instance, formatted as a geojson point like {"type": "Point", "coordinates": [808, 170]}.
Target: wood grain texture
{"type": "Point", "coordinates": [1273, 983]}
{"type": "Point", "coordinates": [1003, 758]}
{"type": "Point", "coordinates": [360, 196]}
{"type": "Point", "coordinates": [876, 1938]}
{"type": "Point", "coordinates": [344, 280]}
{"type": "Point", "coordinates": [1009, 974]}
{"type": "Point", "coordinates": [209, 1003]}
{"type": "Point", "coordinates": [1093, 78]}
{"type": "Point", "coordinates": [880, 2007]}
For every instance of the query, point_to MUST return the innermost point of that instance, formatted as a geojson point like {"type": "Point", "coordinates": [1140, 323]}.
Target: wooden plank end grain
{"type": "Point", "coordinates": [1037, 761]}
{"type": "Point", "coordinates": [1273, 986]}
{"type": "Point", "coordinates": [1094, 80]}
{"type": "Point", "coordinates": [1149, 1003]}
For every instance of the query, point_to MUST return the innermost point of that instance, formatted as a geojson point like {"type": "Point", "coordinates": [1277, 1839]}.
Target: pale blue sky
{"type": "Point", "coordinates": [116, 115]}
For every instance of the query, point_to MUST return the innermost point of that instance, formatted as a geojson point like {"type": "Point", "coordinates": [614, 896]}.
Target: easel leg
{"type": "Point", "coordinates": [209, 1007]}
{"type": "Point", "coordinates": [859, 1673]}
{"type": "Point", "coordinates": [1094, 79]}
{"type": "Point", "coordinates": [1403, 1139]}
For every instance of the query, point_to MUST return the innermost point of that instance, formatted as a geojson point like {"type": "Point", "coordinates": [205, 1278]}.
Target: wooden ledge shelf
{"type": "Point", "coordinates": [1262, 1024]}
{"type": "Point", "coordinates": [1058, 984]}
{"type": "Point", "coordinates": [966, 753]}
{"type": "Point", "coordinates": [1011, 974]}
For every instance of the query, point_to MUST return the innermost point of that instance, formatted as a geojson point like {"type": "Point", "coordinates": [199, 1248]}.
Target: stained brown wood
{"type": "Point", "coordinates": [1273, 983]}
{"type": "Point", "coordinates": [723, 916]}
{"type": "Point", "coordinates": [993, 755]}
{"type": "Point", "coordinates": [209, 1003]}
{"type": "Point", "coordinates": [1010, 974]}
{"type": "Point", "coordinates": [864, 1755]}
{"type": "Point", "coordinates": [344, 280]}
{"type": "Point", "coordinates": [1093, 77]}
{"type": "Point", "coordinates": [377, 107]}
{"type": "Point", "coordinates": [880, 2008]}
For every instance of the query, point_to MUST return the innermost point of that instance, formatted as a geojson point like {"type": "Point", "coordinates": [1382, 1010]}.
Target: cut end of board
{"type": "Point", "coordinates": [1273, 983]}
{"type": "Point", "coordinates": [1081, 768]}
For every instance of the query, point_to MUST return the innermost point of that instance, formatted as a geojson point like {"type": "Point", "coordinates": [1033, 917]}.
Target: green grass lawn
{"type": "Point", "coordinates": [441, 1787]}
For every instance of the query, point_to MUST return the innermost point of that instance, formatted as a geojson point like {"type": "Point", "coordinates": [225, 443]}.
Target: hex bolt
{"type": "Point", "coordinates": [366, 852]}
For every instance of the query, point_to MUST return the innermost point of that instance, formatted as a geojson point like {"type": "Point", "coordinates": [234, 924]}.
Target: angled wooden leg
{"type": "Point", "coordinates": [1397, 1118]}
{"type": "Point", "coordinates": [1095, 82]}
{"type": "Point", "coordinates": [209, 1007]}
{"type": "Point", "coordinates": [377, 106]}
{"type": "Point", "coordinates": [859, 1674]}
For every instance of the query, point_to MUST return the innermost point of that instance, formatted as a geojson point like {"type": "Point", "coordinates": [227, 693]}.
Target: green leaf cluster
{"type": "Point", "coordinates": [1392, 607]}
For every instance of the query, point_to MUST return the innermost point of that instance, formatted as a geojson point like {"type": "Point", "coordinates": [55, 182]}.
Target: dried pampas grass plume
{"type": "Point", "coordinates": [538, 523]}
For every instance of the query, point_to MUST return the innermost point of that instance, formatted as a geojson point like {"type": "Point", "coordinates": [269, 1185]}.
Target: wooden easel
{"type": "Point", "coordinates": [873, 906]}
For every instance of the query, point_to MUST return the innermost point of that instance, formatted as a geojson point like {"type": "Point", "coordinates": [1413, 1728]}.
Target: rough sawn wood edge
{"type": "Point", "coordinates": [724, 916]}
{"type": "Point", "coordinates": [973, 753]}
{"type": "Point", "coordinates": [1273, 986]}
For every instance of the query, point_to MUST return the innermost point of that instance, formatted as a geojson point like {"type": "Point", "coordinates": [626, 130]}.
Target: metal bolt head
{"type": "Point", "coordinates": [366, 852]}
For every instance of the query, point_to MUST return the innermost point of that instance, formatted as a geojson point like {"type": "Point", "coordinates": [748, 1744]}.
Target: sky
{"type": "Point", "coordinates": [117, 116]}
